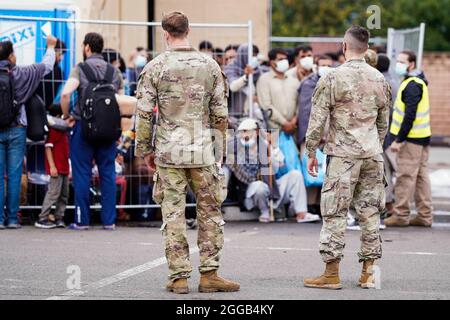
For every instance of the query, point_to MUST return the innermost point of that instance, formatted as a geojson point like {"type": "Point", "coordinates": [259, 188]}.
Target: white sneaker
{"type": "Point", "coordinates": [309, 217]}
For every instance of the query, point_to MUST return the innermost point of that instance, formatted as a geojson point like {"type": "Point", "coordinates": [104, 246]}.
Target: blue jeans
{"type": "Point", "coordinates": [82, 153]}
{"type": "Point", "coordinates": [12, 152]}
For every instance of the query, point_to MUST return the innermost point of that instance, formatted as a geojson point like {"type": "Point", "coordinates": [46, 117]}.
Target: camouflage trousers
{"type": "Point", "coordinates": [352, 181]}
{"type": "Point", "coordinates": [170, 191]}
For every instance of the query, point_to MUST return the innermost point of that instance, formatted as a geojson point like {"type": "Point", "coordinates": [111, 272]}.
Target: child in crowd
{"type": "Point", "coordinates": [57, 166]}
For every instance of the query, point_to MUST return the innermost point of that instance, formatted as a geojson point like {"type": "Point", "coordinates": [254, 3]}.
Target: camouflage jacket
{"type": "Point", "coordinates": [357, 99]}
{"type": "Point", "coordinates": [190, 92]}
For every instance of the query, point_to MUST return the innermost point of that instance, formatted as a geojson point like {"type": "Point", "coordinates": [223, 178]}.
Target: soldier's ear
{"type": "Point", "coordinates": [188, 31]}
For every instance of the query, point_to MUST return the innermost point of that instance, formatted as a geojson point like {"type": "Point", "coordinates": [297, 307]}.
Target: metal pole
{"type": "Point", "coordinates": [390, 48]}
{"type": "Point", "coordinates": [319, 39]}
{"type": "Point", "coordinates": [115, 22]}
{"type": "Point", "coordinates": [421, 42]}
{"type": "Point", "coordinates": [250, 77]}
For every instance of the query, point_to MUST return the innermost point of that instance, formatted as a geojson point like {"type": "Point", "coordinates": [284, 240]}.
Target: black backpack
{"type": "Point", "coordinates": [37, 128]}
{"type": "Point", "coordinates": [9, 109]}
{"type": "Point", "coordinates": [100, 112]}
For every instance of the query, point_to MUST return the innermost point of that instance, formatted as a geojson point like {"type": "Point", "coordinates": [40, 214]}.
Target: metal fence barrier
{"type": "Point", "coordinates": [133, 178]}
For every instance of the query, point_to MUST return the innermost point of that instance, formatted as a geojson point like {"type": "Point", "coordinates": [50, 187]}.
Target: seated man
{"type": "Point", "coordinates": [246, 161]}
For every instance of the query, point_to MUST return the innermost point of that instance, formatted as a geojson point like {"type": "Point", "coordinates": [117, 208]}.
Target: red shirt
{"type": "Point", "coordinates": [59, 142]}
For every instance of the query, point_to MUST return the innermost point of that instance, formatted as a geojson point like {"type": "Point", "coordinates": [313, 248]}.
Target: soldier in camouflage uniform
{"type": "Point", "coordinates": [357, 99]}
{"type": "Point", "coordinates": [190, 92]}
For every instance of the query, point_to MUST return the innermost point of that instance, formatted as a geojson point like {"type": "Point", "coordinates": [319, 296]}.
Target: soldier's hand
{"type": "Point", "coordinates": [149, 160]}
{"type": "Point", "coordinates": [51, 41]}
{"type": "Point", "coordinates": [313, 167]}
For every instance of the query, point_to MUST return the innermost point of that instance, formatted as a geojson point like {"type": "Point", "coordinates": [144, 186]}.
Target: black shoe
{"type": "Point", "coordinates": [60, 224]}
{"type": "Point", "coordinates": [45, 224]}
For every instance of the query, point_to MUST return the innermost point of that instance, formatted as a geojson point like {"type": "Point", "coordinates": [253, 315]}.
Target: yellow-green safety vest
{"type": "Point", "coordinates": [421, 126]}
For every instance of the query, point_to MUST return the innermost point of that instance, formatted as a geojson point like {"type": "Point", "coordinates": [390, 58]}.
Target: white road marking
{"type": "Point", "coordinates": [118, 277]}
{"type": "Point", "coordinates": [251, 233]}
{"type": "Point", "coordinates": [113, 279]}
{"type": "Point", "coordinates": [419, 253]}
{"type": "Point", "coordinates": [145, 243]}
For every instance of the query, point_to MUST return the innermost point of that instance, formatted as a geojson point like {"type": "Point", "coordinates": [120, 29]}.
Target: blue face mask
{"type": "Point", "coordinates": [401, 69]}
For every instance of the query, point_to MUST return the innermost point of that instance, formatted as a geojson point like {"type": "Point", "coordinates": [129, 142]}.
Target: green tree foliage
{"type": "Point", "coordinates": [333, 17]}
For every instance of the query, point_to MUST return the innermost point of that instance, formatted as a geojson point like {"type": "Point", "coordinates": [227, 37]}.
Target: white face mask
{"type": "Point", "coordinates": [323, 71]}
{"type": "Point", "coordinates": [401, 69]}
{"type": "Point", "coordinates": [248, 143]}
{"type": "Point", "coordinates": [260, 57]}
{"type": "Point", "coordinates": [282, 66]}
{"type": "Point", "coordinates": [307, 63]}
{"type": "Point", "coordinates": [140, 61]}
{"type": "Point", "coordinates": [254, 63]}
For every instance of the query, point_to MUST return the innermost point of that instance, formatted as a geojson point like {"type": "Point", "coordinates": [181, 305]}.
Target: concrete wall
{"type": "Point", "coordinates": [437, 71]}
{"type": "Point", "coordinates": [122, 38]}
{"type": "Point", "coordinates": [220, 11]}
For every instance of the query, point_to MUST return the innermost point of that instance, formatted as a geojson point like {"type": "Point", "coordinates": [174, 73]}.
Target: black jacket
{"type": "Point", "coordinates": [411, 96]}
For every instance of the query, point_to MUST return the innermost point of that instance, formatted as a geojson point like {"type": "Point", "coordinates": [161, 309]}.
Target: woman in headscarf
{"type": "Point", "coordinates": [237, 73]}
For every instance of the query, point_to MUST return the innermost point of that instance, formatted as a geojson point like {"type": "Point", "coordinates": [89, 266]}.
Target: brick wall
{"type": "Point", "coordinates": [437, 70]}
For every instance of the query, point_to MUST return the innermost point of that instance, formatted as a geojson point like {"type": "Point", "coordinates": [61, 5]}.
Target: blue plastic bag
{"type": "Point", "coordinates": [311, 181]}
{"type": "Point", "coordinates": [289, 149]}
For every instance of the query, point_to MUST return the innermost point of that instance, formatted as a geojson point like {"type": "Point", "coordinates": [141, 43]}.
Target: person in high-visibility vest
{"type": "Point", "coordinates": [411, 133]}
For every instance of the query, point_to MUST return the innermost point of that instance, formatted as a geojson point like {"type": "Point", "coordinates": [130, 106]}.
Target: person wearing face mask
{"type": "Point", "coordinates": [304, 63]}
{"type": "Point", "coordinates": [206, 47]}
{"type": "Point", "coordinates": [84, 152]}
{"type": "Point", "coordinates": [230, 53]}
{"type": "Point", "coordinates": [246, 151]}
{"type": "Point", "coordinates": [278, 92]}
{"type": "Point", "coordinates": [356, 98]}
{"type": "Point", "coordinates": [237, 74]}
{"type": "Point", "coordinates": [137, 61]}
{"type": "Point", "coordinates": [411, 133]}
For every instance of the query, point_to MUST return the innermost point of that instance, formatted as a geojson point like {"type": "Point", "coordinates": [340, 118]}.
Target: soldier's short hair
{"type": "Point", "coordinates": [357, 38]}
{"type": "Point", "coordinates": [176, 24]}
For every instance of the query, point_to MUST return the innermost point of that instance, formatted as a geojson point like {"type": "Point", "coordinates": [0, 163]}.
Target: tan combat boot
{"type": "Point", "coordinates": [328, 280]}
{"type": "Point", "coordinates": [395, 221]}
{"type": "Point", "coordinates": [178, 286]}
{"type": "Point", "coordinates": [211, 282]}
{"type": "Point", "coordinates": [366, 279]}
{"type": "Point", "coordinates": [417, 222]}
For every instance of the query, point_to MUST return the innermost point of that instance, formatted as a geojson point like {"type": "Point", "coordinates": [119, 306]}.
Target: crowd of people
{"type": "Point", "coordinates": [274, 118]}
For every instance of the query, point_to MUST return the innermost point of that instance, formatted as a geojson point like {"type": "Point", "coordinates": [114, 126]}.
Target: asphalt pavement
{"type": "Point", "coordinates": [270, 262]}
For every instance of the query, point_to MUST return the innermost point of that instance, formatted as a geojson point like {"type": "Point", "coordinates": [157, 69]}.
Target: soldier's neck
{"type": "Point", "coordinates": [353, 56]}
{"type": "Point", "coordinates": [177, 43]}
